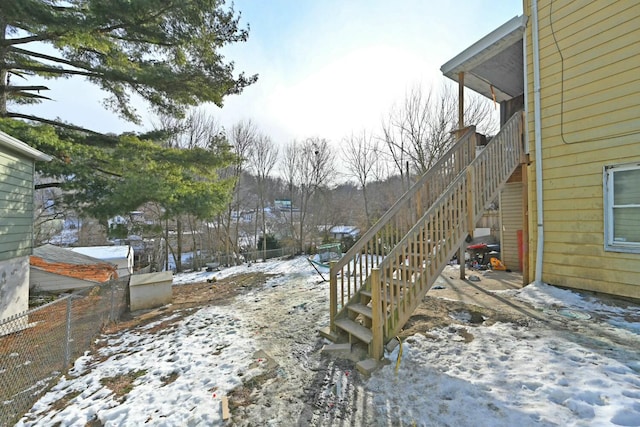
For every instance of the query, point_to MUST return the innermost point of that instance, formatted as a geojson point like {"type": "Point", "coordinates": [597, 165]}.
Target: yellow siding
{"type": "Point", "coordinates": [590, 113]}
{"type": "Point", "coordinates": [511, 222]}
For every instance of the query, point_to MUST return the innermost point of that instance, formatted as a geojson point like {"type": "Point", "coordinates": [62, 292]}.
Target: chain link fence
{"type": "Point", "coordinates": [37, 346]}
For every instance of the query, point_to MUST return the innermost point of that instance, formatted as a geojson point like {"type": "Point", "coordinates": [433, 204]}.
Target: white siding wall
{"type": "Point", "coordinates": [14, 289]}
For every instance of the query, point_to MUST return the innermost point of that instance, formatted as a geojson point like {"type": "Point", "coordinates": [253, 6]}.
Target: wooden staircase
{"type": "Point", "coordinates": [380, 281]}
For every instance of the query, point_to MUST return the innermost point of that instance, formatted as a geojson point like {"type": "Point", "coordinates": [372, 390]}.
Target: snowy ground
{"type": "Point", "coordinates": [564, 370]}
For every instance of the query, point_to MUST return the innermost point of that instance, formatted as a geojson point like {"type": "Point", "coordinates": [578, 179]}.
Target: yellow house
{"type": "Point", "coordinates": [583, 116]}
{"type": "Point", "coordinates": [565, 167]}
{"type": "Point", "coordinates": [578, 66]}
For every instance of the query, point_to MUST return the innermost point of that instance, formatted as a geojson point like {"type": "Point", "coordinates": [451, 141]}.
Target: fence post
{"type": "Point", "coordinates": [67, 338]}
{"type": "Point", "coordinates": [377, 343]}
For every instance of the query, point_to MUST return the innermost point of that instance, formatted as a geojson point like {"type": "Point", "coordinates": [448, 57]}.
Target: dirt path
{"type": "Point", "coordinates": [302, 386]}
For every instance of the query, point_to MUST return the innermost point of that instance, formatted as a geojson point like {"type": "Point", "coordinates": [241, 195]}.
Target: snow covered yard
{"type": "Point", "coordinates": [260, 351]}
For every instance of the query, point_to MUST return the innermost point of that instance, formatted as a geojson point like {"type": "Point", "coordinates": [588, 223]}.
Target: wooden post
{"type": "Point", "coordinates": [461, 260]}
{"type": "Point", "coordinates": [470, 202]}
{"type": "Point", "coordinates": [376, 351]}
{"type": "Point", "coordinates": [461, 100]}
{"type": "Point", "coordinates": [333, 295]}
{"type": "Point", "coordinates": [525, 224]}
{"type": "Point", "coordinates": [473, 145]}
{"type": "Point", "coordinates": [462, 250]}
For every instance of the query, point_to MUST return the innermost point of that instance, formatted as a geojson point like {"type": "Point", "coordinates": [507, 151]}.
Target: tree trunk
{"type": "Point", "coordinates": [3, 70]}
{"type": "Point", "coordinates": [303, 212]}
{"type": "Point", "coordinates": [227, 244]}
{"type": "Point", "coordinates": [166, 245]}
{"type": "Point", "coordinates": [255, 227]}
{"type": "Point", "coordinates": [236, 249]}
{"type": "Point", "coordinates": [366, 205]}
{"type": "Point", "coordinates": [264, 229]}
{"type": "Point", "coordinates": [178, 257]}
{"type": "Point", "coordinates": [196, 256]}
{"type": "Point", "coordinates": [293, 229]}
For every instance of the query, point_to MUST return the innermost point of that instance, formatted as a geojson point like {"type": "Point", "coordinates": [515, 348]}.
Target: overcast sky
{"type": "Point", "coordinates": [326, 67]}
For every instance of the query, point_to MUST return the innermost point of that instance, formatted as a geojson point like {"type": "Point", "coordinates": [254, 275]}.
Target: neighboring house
{"type": "Point", "coordinates": [285, 206]}
{"type": "Point", "coordinates": [243, 216]}
{"type": "Point", "coordinates": [121, 256]}
{"type": "Point", "coordinates": [55, 269]}
{"type": "Point", "coordinates": [581, 187]}
{"type": "Point", "coordinates": [17, 170]}
{"type": "Point", "coordinates": [339, 232]}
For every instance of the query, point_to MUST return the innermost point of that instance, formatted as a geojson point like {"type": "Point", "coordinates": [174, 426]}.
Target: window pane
{"type": "Point", "coordinates": [626, 187]}
{"type": "Point", "coordinates": [626, 225]}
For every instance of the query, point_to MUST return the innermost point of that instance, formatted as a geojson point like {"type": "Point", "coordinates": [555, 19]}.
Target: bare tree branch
{"type": "Point", "coordinates": [262, 159]}
{"type": "Point", "coordinates": [307, 166]}
{"type": "Point", "coordinates": [360, 153]}
{"type": "Point", "coordinates": [421, 129]}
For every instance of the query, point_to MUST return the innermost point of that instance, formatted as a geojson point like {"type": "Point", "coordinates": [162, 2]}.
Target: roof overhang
{"type": "Point", "coordinates": [493, 66]}
{"type": "Point", "coordinates": [16, 145]}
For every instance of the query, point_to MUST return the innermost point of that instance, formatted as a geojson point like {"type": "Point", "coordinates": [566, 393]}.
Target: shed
{"type": "Point", "coordinates": [121, 256]}
{"type": "Point", "coordinates": [150, 290]}
{"type": "Point", "coordinates": [17, 171]}
{"type": "Point", "coordinates": [55, 269]}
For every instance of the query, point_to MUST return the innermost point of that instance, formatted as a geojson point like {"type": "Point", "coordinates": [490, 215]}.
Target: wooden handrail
{"type": "Point", "coordinates": [412, 266]}
{"type": "Point", "coordinates": [350, 273]}
{"type": "Point", "coordinates": [384, 219]}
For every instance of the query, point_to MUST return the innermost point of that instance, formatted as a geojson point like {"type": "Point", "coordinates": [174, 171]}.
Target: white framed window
{"type": "Point", "coordinates": [622, 208]}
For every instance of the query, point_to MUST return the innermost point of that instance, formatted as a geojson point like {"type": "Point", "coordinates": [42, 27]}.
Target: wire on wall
{"type": "Point", "coordinates": [562, 133]}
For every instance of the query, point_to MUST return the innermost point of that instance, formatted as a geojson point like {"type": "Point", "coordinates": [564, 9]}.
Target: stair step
{"type": "Point", "coordinates": [328, 334]}
{"type": "Point", "coordinates": [357, 330]}
{"type": "Point", "coordinates": [361, 309]}
{"type": "Point", "coordinates": [368, 294]}
{"type": "Point", "coordinates": [366, 367]}
{"type": "Point", "coordinates": [336, 348]}
{"type": "Point", "coordinates": [410, 269]}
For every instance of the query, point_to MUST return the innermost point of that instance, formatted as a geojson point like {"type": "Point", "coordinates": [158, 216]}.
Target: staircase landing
{"type": "Point", "coordinates": [475, 292]}
{"type": "Point", "coordinates": [482, 293]}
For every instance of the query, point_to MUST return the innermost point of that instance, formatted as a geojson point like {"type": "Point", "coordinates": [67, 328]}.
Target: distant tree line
{"type": "Point", "coordinates": [202, 188]}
